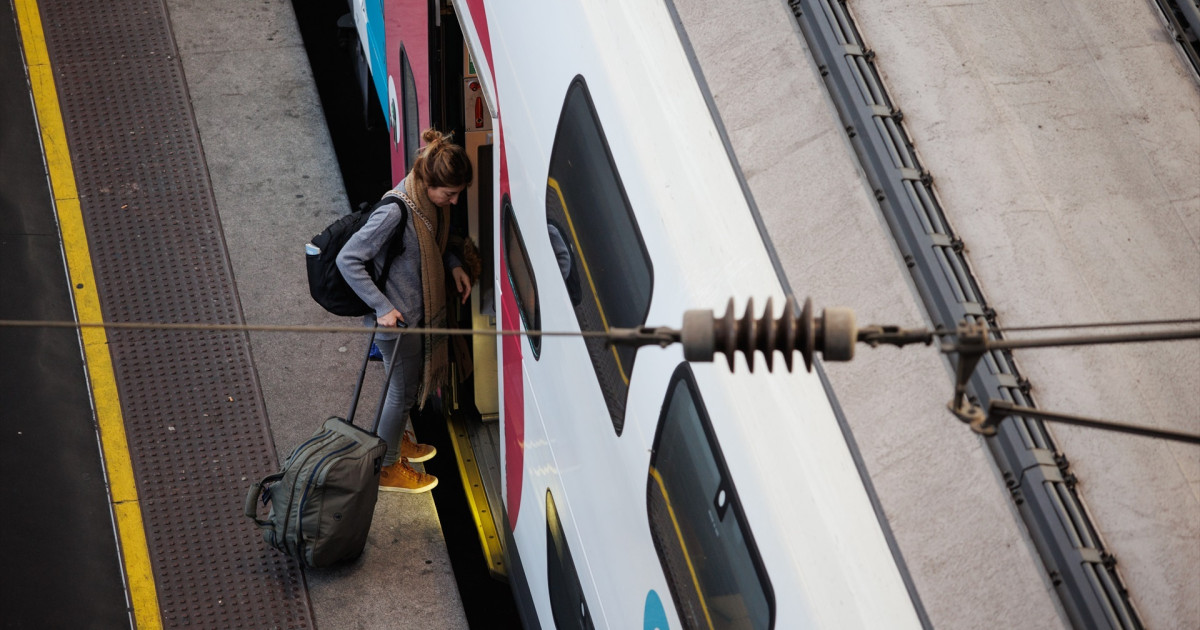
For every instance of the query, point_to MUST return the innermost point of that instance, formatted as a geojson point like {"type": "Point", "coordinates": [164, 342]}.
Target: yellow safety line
{"type": "Point", "coordinates": [472, 481]}
{"type": "Point", "coordinates": [583, 259]}
{"type": "Point", "coordinates": [679, 533]}
{"type": "Point", "coordinates": [122, 487]}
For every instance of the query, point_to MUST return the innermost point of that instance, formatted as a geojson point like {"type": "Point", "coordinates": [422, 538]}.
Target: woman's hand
{"type": "Point", "coordinates": [392, 319]}
{"type": "Point", "coordinates": [463, 282]}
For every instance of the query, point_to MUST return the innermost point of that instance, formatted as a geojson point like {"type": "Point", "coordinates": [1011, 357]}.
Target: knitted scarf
{"type": "Point", "coordinates": [432, 225]}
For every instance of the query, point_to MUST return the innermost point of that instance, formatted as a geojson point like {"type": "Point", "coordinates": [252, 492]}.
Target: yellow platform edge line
{"type": "Point", "coordinates": [135, 553]}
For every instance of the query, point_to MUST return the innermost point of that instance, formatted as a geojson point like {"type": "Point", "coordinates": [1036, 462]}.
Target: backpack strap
{"type": "Point", "coordinates": [396, 242]}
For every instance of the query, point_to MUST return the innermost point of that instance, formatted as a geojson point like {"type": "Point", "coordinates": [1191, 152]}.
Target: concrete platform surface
{"type": "Point", "coordinates": [277, 183]}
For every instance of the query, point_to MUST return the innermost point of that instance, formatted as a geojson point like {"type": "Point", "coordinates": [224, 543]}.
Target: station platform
{"type": "Point", "coordinates": [190, 161]}
{"type": "Point", "coordinates": [165, 162]}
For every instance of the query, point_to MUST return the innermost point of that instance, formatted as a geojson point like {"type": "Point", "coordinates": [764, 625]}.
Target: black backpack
{"type": "Point", "coordinates": [325, 281]}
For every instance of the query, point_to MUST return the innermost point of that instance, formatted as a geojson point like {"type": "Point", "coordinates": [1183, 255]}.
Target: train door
{"type": "Point", "coordinates": [477, 139]}
{"type": "Point", "coordinates": [463, 103]}
{"type": "Point", "coordinates": [472, 404]}
{"type": "Point", "coordinates": [419, 66]}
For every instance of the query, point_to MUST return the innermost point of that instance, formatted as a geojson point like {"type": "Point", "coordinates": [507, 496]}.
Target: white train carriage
{"type": "Point", "coordinates": [637, 490]}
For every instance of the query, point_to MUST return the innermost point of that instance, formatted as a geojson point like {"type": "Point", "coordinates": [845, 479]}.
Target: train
{"type": "Point", "coordinates": [622, 487]}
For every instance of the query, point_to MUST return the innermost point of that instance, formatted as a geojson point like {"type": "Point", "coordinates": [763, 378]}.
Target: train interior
{"type": "Point", "coordinates": [471, 407]}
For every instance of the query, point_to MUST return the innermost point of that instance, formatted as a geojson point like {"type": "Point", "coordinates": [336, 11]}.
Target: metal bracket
{"type": "Point", "coordinates": [973, 342]}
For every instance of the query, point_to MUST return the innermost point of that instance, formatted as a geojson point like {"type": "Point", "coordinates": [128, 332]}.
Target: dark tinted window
{"type": "Point", "coordinates": [520, 277]}
{"type": "Point", "coordinates": [609, 276]}
{"type": "Point", "coordinates": [699, 529]}
{"type": "Point", "coordinates": [569, 608]}
{"type": "Point", "coordinates": [409, 103]}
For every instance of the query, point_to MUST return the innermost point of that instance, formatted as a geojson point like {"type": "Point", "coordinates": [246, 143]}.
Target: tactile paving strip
{"type": "Point", "coordinates": [193, 409]}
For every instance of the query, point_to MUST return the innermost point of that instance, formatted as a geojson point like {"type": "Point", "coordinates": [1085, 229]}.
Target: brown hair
{"type": "Point", "coordinates": [441, 163]}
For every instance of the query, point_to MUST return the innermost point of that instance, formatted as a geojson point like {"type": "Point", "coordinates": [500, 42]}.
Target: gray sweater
{"type": "Point", "coordinates": [402, 290]}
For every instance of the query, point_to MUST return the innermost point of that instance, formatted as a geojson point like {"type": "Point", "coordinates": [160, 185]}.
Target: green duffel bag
{"type": "Point", "coordinates": [323, 499]}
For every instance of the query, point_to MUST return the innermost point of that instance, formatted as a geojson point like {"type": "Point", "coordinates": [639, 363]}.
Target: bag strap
{"type": "Point", "coordinates": [396, 242]}
{"type": "Point", "coordinates": [416, 211]}
{"type": "Point", "coordinates": [252, 498]}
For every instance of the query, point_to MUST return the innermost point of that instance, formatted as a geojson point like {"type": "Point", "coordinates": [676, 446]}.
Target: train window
{"type": "Point", "coordinates": [704, 544]}
{"type": "Point", "coordinates": [520, 276]}
{"type": "Point", "coordinates": [409, 103]}
{"type": "Point", "coordinates": [586, 205]}
{"type": "Point", "coordinates": [567, 604]}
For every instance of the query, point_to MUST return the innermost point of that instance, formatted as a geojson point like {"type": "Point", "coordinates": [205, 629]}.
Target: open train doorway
{"type": "Point", "coordinates": [470, 414]}
{"type": "Point", "coordinates": [472, 404]}
{"type": "Point", "coordinates": [375, 131]}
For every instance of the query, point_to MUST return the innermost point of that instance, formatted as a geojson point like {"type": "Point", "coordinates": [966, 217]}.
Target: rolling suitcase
{"type": "Point", "coordinates": [323, 498]}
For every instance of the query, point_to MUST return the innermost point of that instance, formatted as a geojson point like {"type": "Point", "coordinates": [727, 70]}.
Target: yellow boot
{"type": "Point", "coordinates": [413, 451]}
{"type": "Point", "coordinates": [400, 477]}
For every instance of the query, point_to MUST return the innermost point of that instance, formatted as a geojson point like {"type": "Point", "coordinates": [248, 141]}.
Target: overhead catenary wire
{"type": "Point", "coordinates": [973, 340]}
{"type": "Point", "coordinates": [616, 334]}
{"type": "Point", "coordinates": [1148, 322]}
{"type": "Point", "coordinates": [286, 328]}
{"type": "Point", "coordinates": [1005, 330]}
{"type": "Point", "coordinates": [1085, 340]}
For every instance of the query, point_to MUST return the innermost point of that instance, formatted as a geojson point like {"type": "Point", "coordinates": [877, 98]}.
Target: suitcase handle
{"type": "Point", "coordinates": [252, 498]}
{"type": "Point", "coordinates": [387, 381]}
{"type": "Point", "coordinates": [362, 373]}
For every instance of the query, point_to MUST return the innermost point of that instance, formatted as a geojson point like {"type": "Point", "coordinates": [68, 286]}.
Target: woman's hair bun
{"type": "Point", "coordinates": [433, 136]}
{"type": "Point", "coordinates": [441, 163]}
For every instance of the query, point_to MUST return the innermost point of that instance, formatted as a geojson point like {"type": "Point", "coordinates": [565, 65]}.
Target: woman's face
{"type": "Point", "coordinates": [444, 197]}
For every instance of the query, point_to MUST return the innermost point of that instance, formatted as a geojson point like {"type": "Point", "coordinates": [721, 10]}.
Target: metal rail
{"type": "Point", "coordinates": [1082, 571]}
{"type": "Point", "coordinates": [1182, 19]}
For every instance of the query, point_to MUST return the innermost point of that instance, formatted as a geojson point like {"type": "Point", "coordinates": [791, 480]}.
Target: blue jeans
{"type": "Point", "coordinates": [402, 389]}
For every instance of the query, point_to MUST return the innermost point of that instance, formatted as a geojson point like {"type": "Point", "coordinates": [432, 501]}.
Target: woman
{"type": "Point", "coordinates": [414, 294]}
